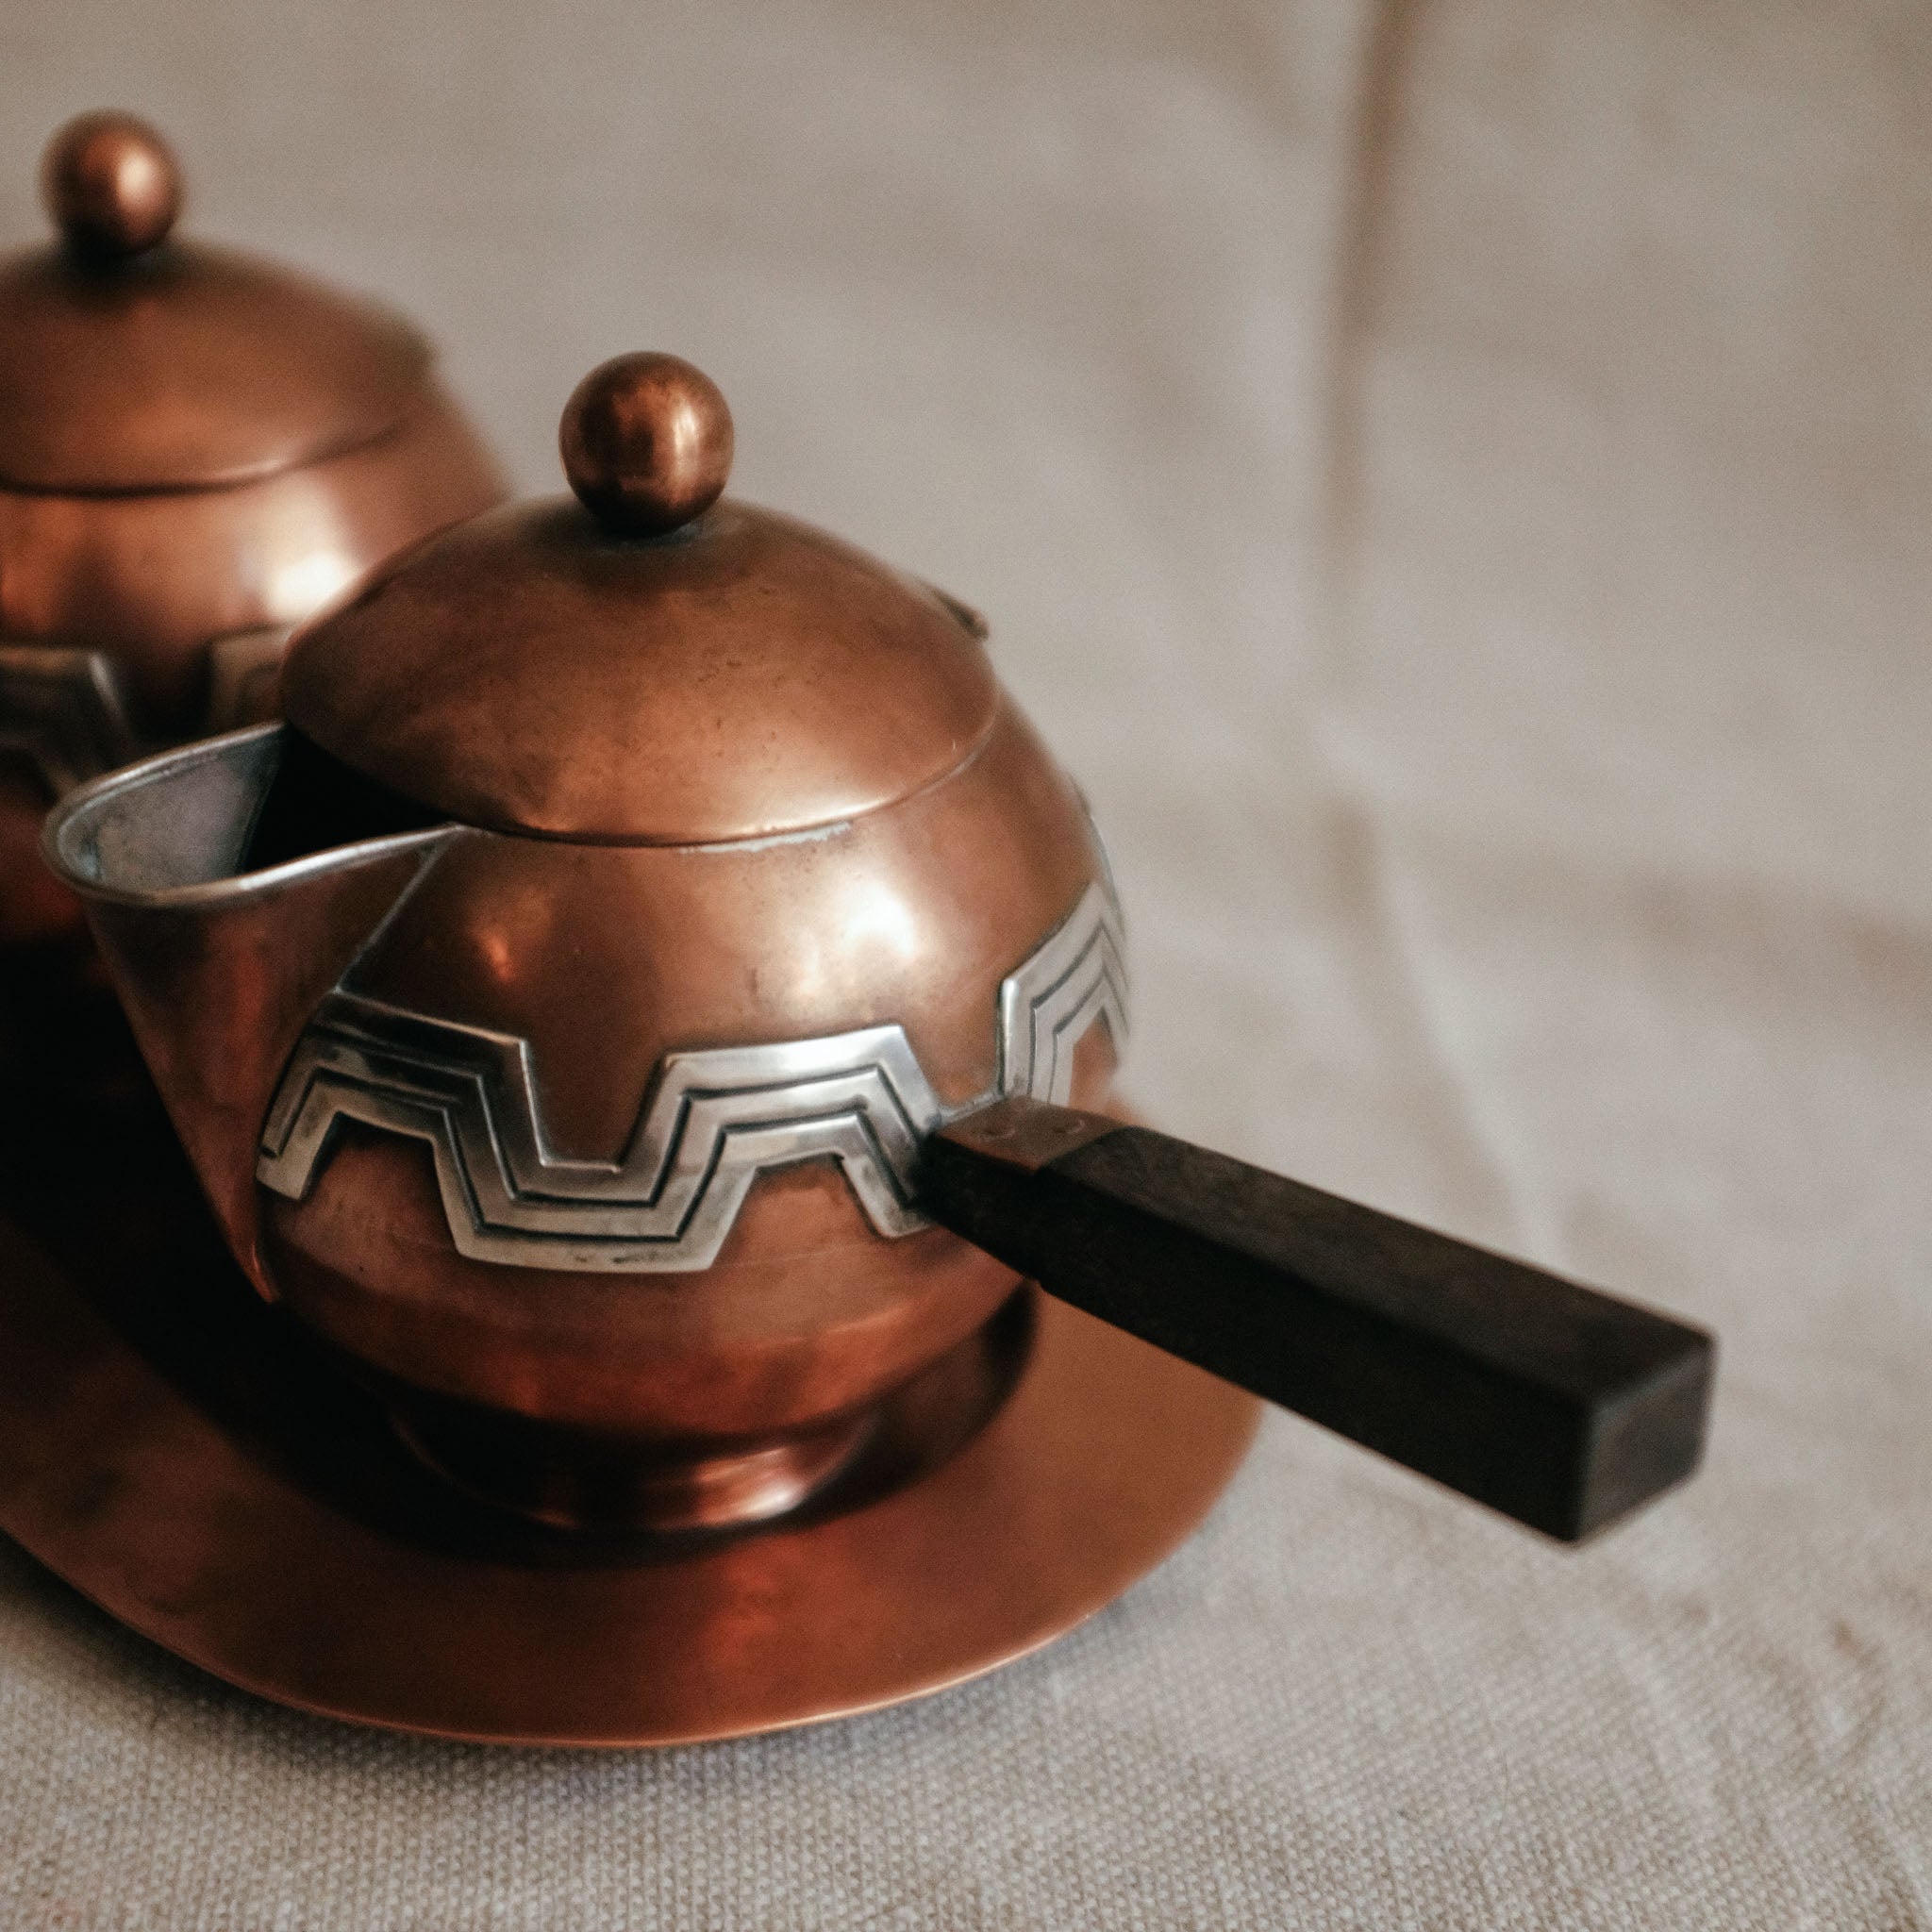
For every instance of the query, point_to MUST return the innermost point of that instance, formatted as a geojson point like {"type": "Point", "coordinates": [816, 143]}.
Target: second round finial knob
{"type": "Point", "coordinates": [646, 443]}
{"type": "Point", "coordinates": [113, 184]}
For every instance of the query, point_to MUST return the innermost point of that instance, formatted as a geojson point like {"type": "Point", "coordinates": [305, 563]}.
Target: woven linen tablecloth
{"type": "Point", "coordinates": [1455, 482]}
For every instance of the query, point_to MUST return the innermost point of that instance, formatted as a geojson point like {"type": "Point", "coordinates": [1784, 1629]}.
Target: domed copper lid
{"type": "Point", "coordinates": [644, 663]}
{"type": "Point", "coordinates": [131, 362]}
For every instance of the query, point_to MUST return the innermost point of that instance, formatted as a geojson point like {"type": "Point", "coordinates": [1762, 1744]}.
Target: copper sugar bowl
{"type": "Point", "coordinates": [652, 1004]}
{"type": "Point", "coordinates": [198, 449]}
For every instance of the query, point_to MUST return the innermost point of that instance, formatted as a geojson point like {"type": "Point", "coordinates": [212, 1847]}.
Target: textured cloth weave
{"type": "Point", "coordinates": [1455, 482]}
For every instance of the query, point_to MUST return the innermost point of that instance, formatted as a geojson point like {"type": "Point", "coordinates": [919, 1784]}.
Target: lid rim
{"type": "Point", "coordinates": [241, 477]}
{"type": "Point", "coordinates": [747, 676]}
{"type": "Point", "coordinates": [193, 367]}
{"type": "Point", "coordinates": [682, 841]}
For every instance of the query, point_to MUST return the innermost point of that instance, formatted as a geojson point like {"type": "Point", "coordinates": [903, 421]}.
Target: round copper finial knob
{"type": "Point", "coordinates": [646, 443]}
{"type": "Point", "coordinates": [113, 184]}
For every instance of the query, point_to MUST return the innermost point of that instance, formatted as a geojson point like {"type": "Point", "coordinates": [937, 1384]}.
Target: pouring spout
{"type": "Point", "coordinates": [219, 966]}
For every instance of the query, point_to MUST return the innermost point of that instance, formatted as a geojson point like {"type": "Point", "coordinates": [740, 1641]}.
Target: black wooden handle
{"type": "Point", "coordinates": [1558, 1405]}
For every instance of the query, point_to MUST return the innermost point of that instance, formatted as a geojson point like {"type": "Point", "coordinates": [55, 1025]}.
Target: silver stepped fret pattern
{"type": "Point", "coordinates": [712, 1121]}
{"type": "Point", "coordinates": [65, 712]}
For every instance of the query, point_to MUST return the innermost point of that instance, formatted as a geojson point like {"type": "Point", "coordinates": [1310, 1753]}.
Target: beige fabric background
{"type": "Point", "coordinates": [1455, 481]}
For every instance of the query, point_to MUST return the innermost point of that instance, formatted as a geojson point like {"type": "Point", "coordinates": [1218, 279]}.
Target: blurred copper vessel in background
{"type": "Point", "coordinates": [198, 449]}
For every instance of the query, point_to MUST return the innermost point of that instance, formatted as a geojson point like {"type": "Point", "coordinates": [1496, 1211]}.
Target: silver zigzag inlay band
{"type": "Point", "coordinates": [712, 1121]}
{"type": "Point", "coordinates": [65, 712]}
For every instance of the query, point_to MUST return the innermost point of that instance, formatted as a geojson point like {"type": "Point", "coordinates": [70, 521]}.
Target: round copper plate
{"type": "Point", "coordinates": [172, 1449]}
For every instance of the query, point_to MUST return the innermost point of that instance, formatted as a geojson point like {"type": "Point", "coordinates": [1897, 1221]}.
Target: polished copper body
{"type": "Point", "coordinates": [607, 957]}
{"type": "Point", "coordinates": [618, 784]}
{"type": "Point", "coordinates": [175, 1456]}
{"type": "Point", "coordinates": [179, 1452]}
{"type": "Point", "coordinates": [197, 450]}
{"type": "Point", "coordinates": [733, 784]}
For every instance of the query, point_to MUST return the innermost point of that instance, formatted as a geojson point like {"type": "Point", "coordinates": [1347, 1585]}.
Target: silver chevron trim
{"type": "Point", "coordinates": [65, 712]}
{"type": "Point", "coordinates": [1076, 975]}
{"type": "Point", "coordinates": [711, 1123]}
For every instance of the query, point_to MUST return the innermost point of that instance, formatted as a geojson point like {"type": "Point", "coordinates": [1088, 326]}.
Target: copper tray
{"type": "Point", "coordinates": [179, 1454]}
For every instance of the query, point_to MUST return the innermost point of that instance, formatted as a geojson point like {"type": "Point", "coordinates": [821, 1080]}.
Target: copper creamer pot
{"type": "Point", "coordinates": [656, 995]}
{"type": "Point", "coordinates": [710, 868]}
{"type": "Point", "coordinates": [197, 450]}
